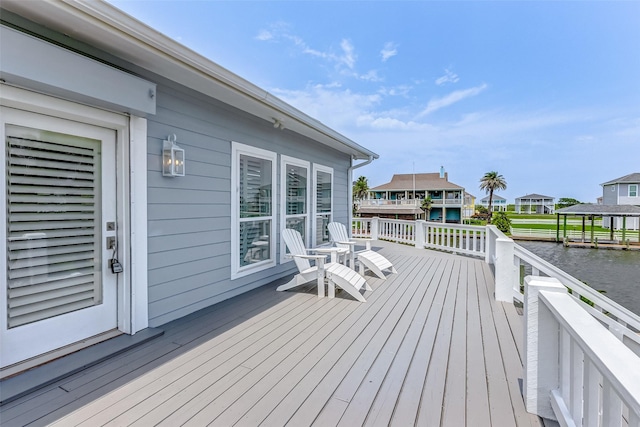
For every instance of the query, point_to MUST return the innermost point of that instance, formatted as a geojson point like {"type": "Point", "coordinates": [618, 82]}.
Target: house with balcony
{"type": "Point", "coordinates": [401, 198]}
{"type": "Point", "coordinates": [622, 191]}
{"type": "Point", "coordinates": [469, 207]}
{"type": "Point", "coordinates": [535, 204]}
{"type": "Point", "coordinates": [498, 203]}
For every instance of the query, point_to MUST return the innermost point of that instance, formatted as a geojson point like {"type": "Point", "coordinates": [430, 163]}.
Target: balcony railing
{"type": "Point", "coordinates": [587, 369]}
{"type": "Point", "coordinates": [409, 202]}
{"type": "Point", "coordinates": [385, 202]}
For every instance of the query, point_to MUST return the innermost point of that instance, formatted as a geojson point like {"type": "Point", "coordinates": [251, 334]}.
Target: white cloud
{"type": "Point", "coordinates": [280, 31]}
{"type": "Point", "coordinates": [401, 90]}
{"type": "Point", "coordinates": [450, 99]}
{"type": "Point", "coordinates": [350, 112]}
{"type": "Point", "coordinates": [348, 57]}
{"type": "Point", "coordinates": [371, 76]}
{"type": "Point", "coordinates": [449, 77]}
{"type": "Point", "coordinates": [389, 50]}
{"type": "Point", "coordinates": [336, 107]}
{"type": "Point", "coordinates": [264, 35]}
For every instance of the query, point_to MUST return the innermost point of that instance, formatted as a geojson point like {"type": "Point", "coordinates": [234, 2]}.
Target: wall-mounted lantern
{"type": "Point", "coordinates": [172, 157]}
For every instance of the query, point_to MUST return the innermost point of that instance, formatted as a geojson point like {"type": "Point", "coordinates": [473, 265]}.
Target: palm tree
{"type": "Point", "coordinates": [426, 206]}
{"type": "Point", "coordinates": [360, 188]}
{"type": "Point", "coordinates": [360, 191]}
{"type": "Point", "coordinates": [490, 182]}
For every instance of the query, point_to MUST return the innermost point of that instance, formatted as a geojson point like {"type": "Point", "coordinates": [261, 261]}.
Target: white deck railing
{"type": "Point", "coordinates": [573, 234]}
{"type": "Point", "coordinates": [585, 378]}
{"type": "Point", "coordinates": [396, 230]}
{"type": "Point", "coordinates": [576, 371]}
{"type": "Point", "coordinates": [457, 238]}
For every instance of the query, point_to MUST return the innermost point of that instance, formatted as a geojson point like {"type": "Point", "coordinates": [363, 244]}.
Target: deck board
{"type": "Point", "coordinates": [429, 347]}
{"type": "Point", "coordinates": [477, 407]}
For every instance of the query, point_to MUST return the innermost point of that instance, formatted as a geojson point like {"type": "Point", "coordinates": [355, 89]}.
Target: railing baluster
{"type": "Point", "coordinates": [611, 406]}
{"type": "Point", "coordinates": [592, 380]}
{"type": "Point", "coordinates": [577, 390]}
{"type": "Point", "coordinates": [565, 365]}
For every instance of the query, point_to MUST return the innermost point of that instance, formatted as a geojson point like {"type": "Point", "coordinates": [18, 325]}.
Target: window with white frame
{"type": "Point", "coordinates": [323, 203]}
{"type": "Point", "coordinates": [294, 204]}
{"type": "Point", "coordinates": [253, 183]}
{"type": "Point", "coordinates": [633, 190]}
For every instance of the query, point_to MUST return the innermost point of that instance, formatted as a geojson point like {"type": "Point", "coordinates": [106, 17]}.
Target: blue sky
{"type": "Point", "coordinates": [546, 93]}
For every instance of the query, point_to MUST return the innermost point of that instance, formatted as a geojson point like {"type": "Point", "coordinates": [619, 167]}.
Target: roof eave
{"type": "Point", "coordinates": [100, 24]}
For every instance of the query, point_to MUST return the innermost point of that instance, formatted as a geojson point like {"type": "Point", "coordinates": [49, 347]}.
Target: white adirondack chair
{"type": "Point", "coordinates": [335, 273]}
{"type": "Point", "coordinates": [371, 259]}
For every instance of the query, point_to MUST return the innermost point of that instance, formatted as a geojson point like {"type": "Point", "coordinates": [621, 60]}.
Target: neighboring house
{"type": "Point", "coordinates": [101, 116]}
{"type": "Point", "coordinates": [498, 204]}
{"type": "Point", "coordinates": [401, 198]}
{"type": "Point", "coordinates": [469, 207]}
{"type": "Point", "coordinates": [622, 191]}
{"type": "Point", "coordinates": [535, 204]}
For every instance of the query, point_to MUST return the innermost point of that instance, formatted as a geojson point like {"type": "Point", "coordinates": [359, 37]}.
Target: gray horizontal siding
{"type": "Point", "coordinates": [189, 217]}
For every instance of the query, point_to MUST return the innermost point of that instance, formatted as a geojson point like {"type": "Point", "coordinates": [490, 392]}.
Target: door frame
{"type": "Point", "coordinates": [131, 193]}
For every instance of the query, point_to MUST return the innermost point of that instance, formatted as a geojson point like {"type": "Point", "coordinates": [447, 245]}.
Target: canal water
{"type": "Point", "coordinates": [614, 271]}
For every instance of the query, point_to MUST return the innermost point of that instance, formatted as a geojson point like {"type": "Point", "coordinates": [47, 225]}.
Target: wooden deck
{"type": "Point", "coordinates": [429, 347]}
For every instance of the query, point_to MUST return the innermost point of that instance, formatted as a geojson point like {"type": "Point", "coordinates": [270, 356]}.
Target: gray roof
{"type": "Point", "coordinates": [632, 178]}
{"type": "Point", "coordinates": [535, 196]}
{"type": "Point", "coordinates": [594, 209]}
{"type": "Point", "coordinates": [423, 181]}
{"type": "Point", "coordinates": [495, 197]}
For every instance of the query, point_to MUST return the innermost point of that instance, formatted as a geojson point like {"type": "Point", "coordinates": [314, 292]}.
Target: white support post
{"type": "Point", "coordinates": [488, 249]}
{"type": "Point", "coordinates": [420, 237]}
{"type": "Point", "coordinates": [541, 341]}
{"type": "Point", "coordinates": [374, 227]}
{"type": "Point", "coordinates": [505, 270]}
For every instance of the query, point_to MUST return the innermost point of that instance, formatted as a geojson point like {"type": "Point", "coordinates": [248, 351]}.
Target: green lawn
{"type": "Point", "coordinates": [553, 227]}
{"type": "Point", "coordinates": [529, 216]}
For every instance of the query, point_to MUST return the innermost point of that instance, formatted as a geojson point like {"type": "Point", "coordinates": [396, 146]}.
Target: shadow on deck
{"type": "Point", "coordinates": [429, 347]}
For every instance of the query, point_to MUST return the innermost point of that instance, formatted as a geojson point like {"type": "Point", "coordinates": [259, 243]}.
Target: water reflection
{"type": "Point", "coordinates": [614, 271]}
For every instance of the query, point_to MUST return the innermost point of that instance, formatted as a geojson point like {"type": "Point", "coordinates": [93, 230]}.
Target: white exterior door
{"type": "Point", "coordinates": [58, 208]}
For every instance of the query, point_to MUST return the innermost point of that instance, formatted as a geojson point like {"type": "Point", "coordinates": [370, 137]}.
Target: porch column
{"type": "Point", "coordinates": [444, 212]}
{"type": "Point", "coordinates": [557, 227]}
{"type": "Point", "coordinates": [593, 221]}
{"type": "Point", "coordinates": [612, 229]}
{"type": "Point", "coordinates": [624, 227]}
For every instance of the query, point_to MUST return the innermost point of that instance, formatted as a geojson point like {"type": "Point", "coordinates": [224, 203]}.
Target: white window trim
{"type": "Point", "coordinates": [238, 149]}
{"type": "Point", "coordinates": [319, 168]}
{"type": "Point", "coordinates": [629, 190]}
{"type": "Point", "coordinates": [284, 161]}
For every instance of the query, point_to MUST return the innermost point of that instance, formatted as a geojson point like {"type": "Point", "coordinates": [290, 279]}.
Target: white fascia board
{"type": "Point", "coordinates": [102, 25]}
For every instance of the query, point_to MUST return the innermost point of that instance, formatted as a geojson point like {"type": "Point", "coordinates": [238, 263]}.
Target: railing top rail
{"type": "Point", "coordinates": [397, 221]}
{"type": "Point", "coordinates": [568, 280]}
{"type": "Point", "coordinates": [611, 357]}
{"type": "Point", "coordinates": [457, 226]}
